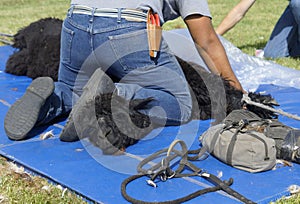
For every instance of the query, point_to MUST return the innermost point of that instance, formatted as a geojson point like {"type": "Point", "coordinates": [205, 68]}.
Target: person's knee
{"type": "Point", "coordinates": [186, 115]}
{"type": "Point", "coordinates": [186, 111]}
{"type": "Point", "coordinates": [295, 5]}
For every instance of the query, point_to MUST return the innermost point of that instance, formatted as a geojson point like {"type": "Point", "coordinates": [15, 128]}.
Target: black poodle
{"type": "Point", "coordinates": [38, 48]}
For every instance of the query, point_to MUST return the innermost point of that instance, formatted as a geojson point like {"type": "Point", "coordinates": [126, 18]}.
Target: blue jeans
{"type": "Point", "coordinates": [120, 48]}
{"type": "Point", "coordinates": [285, 38]}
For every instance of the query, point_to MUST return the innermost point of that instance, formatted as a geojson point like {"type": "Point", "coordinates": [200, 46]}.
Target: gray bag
{"type": "Point", "coordinates": [238, 142]}
{"type": "Point", "coordinates": [278, 131]}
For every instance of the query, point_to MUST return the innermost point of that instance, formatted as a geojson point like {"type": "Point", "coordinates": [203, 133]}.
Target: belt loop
{"type": "Point", "coordinates": [70, 12]}
{"type": "Point", "coordinates": [119, 15]}
{"type": "Point", "coordinates": [93, 13]}
{"type": "Point", "coordinates": [91, 24]}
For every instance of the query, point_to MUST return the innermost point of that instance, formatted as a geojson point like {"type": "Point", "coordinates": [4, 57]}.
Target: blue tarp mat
{"type": "Point", "coordinates": [83, 169]}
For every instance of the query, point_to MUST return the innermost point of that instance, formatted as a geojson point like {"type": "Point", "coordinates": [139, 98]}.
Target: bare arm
{"type": "Point", "coordinates": [234, 16]}
{"type": "Point", "coordinates": [210, 48]}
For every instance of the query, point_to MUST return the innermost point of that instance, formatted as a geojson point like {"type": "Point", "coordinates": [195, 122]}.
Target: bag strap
{"type": "Point", "coordinates": [163, 171]}
{"type": "Point", "coordinates": [231, 145]}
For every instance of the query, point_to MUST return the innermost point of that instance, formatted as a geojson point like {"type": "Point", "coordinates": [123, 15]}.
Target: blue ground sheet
{"type": "Point", "coordinates": [83, 169]}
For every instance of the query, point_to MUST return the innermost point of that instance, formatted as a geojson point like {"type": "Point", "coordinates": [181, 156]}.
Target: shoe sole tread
{"type": "Point", "coordinates": [23, 114]}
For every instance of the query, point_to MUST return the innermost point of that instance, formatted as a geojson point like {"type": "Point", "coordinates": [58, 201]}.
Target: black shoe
{"type": "Point", "coordinates": [120, 122]}
{"type": "Point", "coordinates": [83, 112]}
{"type": "Point", "coordinates": [109, 121]}
{"type": "Point", "coordinates": [23, 114]}
{"type": "Point", "coordinates": [69, 133]}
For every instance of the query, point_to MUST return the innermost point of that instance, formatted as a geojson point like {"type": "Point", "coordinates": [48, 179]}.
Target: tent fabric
{"type": "Point", "coordinates": [82, 168]}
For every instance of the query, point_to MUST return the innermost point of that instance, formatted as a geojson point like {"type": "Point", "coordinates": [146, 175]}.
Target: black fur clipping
{"type": "Point", "coordinates": [38, 50]}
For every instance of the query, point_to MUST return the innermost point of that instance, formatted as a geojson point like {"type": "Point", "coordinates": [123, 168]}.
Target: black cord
{"type": "Point", "coordinates": [164, 170]}
{"type": "Point", "coordinates": [179, 200]}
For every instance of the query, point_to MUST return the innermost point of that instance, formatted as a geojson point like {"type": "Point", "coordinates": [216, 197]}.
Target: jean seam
{"type": "Point", "coordinates": [69, 43]}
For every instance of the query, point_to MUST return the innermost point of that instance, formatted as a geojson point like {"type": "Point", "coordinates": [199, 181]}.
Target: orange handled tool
{"type": "Point", "coordinates": [154, 34]}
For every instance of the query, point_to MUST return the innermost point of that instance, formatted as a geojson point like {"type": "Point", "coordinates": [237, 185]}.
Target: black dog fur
{"type": "Point", "coordinates": [38, 48]}
{"type": "Point", "coordinates": [115, 126]}
{"type": "Point", "coordinates": [38, 55]}
{"type": "Point", "coordinates": [217, 98]}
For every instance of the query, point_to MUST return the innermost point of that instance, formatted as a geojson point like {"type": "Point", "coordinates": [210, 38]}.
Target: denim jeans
{"type": "Point", "coordinates": [285, 38]}
{"type": "Point", "coordinates": [120, 48]}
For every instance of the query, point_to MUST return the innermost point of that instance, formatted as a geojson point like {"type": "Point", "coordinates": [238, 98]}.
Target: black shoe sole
{"type": "Point", "coordinates": [98, 83]}
{"type": "Point", "coordinates": [69, 134]}
{"type": "Point", "coordinates": [23, 114]}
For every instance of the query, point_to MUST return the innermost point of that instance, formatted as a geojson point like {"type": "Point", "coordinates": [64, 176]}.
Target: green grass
{"type": "Point", "coordinates": [17, 186]}
{"type": "Point", "coordinates": [16, 14]}
{"type": "Point", "coordinates": [250, 34]}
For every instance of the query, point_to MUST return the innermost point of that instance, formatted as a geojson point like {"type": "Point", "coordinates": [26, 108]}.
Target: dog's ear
{"type": "Point", "coordinates": [17, 63]}
{"type": "Point", "coordinates": [19, 40]}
